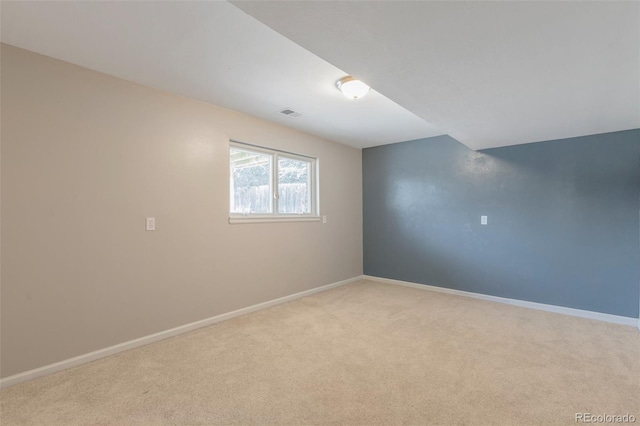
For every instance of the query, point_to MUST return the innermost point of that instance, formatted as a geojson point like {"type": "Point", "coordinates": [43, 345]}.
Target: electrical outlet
{"type": "Point", "coordinates": [151, 224]}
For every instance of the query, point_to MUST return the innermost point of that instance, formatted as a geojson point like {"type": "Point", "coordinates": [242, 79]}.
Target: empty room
{"type": "Point", "coordinates": [319, 212]}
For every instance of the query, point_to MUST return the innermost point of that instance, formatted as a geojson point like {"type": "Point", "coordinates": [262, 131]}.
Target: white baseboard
{"type": "Point", "coordinates": [616, 319]}
{"type": "Point", "coordinates": [101, 353]}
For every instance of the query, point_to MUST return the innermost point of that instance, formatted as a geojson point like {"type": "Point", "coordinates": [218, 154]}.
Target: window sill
{"type": "Point", "coordinates": [274, 219]}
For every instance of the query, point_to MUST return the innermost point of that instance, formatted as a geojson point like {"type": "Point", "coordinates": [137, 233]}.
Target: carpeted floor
{"type": "Point", "coordinates": [363, 354]}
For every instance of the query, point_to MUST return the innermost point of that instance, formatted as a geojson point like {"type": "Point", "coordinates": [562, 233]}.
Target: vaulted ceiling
{"type": "Point", "coordinates": [487, 73]}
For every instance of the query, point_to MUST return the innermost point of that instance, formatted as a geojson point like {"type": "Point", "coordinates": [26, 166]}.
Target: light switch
{"type": "Point", "coordinates": [151, 224]}
{"type": "Point", "coordinates": [483, 220]}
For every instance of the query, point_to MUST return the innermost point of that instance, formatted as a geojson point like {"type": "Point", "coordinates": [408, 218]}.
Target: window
{"type": "Point", "coordinates": [268, 185]}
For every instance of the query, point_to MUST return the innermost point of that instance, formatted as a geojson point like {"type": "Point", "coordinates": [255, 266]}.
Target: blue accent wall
{"type": "Point", "coordinates": [563, 219]}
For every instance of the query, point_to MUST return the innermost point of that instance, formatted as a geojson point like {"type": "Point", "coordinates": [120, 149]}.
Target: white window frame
{"type": "Point", "coordinates": [274, 216]}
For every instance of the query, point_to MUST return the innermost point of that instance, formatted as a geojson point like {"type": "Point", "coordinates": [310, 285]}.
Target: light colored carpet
{"type": "Point", "coordinates": [363, 354]}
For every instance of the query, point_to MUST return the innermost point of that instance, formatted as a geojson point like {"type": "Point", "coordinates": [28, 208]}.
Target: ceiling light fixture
{"type": "Point", "coordinates": [352, 88]}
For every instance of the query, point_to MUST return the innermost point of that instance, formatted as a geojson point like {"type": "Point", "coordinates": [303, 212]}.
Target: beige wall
{"type": "Point", "coordinates": [85, 157]}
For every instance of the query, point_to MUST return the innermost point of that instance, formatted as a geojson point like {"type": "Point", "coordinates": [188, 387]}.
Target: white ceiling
{"type": "Point", "coordinates": [487, 73]}
{"type": "Point", "coordinates": [214, 52]}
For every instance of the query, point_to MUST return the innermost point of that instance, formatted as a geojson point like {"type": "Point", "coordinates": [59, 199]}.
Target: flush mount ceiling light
{"type": "Point", "coordinates": [352, 88]}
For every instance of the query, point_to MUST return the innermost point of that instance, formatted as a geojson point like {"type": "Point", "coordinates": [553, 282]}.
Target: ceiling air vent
{"type": "Point", "coordinates": [290, 113]}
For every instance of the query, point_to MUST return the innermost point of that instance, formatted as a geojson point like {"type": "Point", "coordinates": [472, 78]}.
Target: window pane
{"type": "Point", "coordinates": [250, 182]}
{"type": "Point", "coordinates": [294, 186]}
